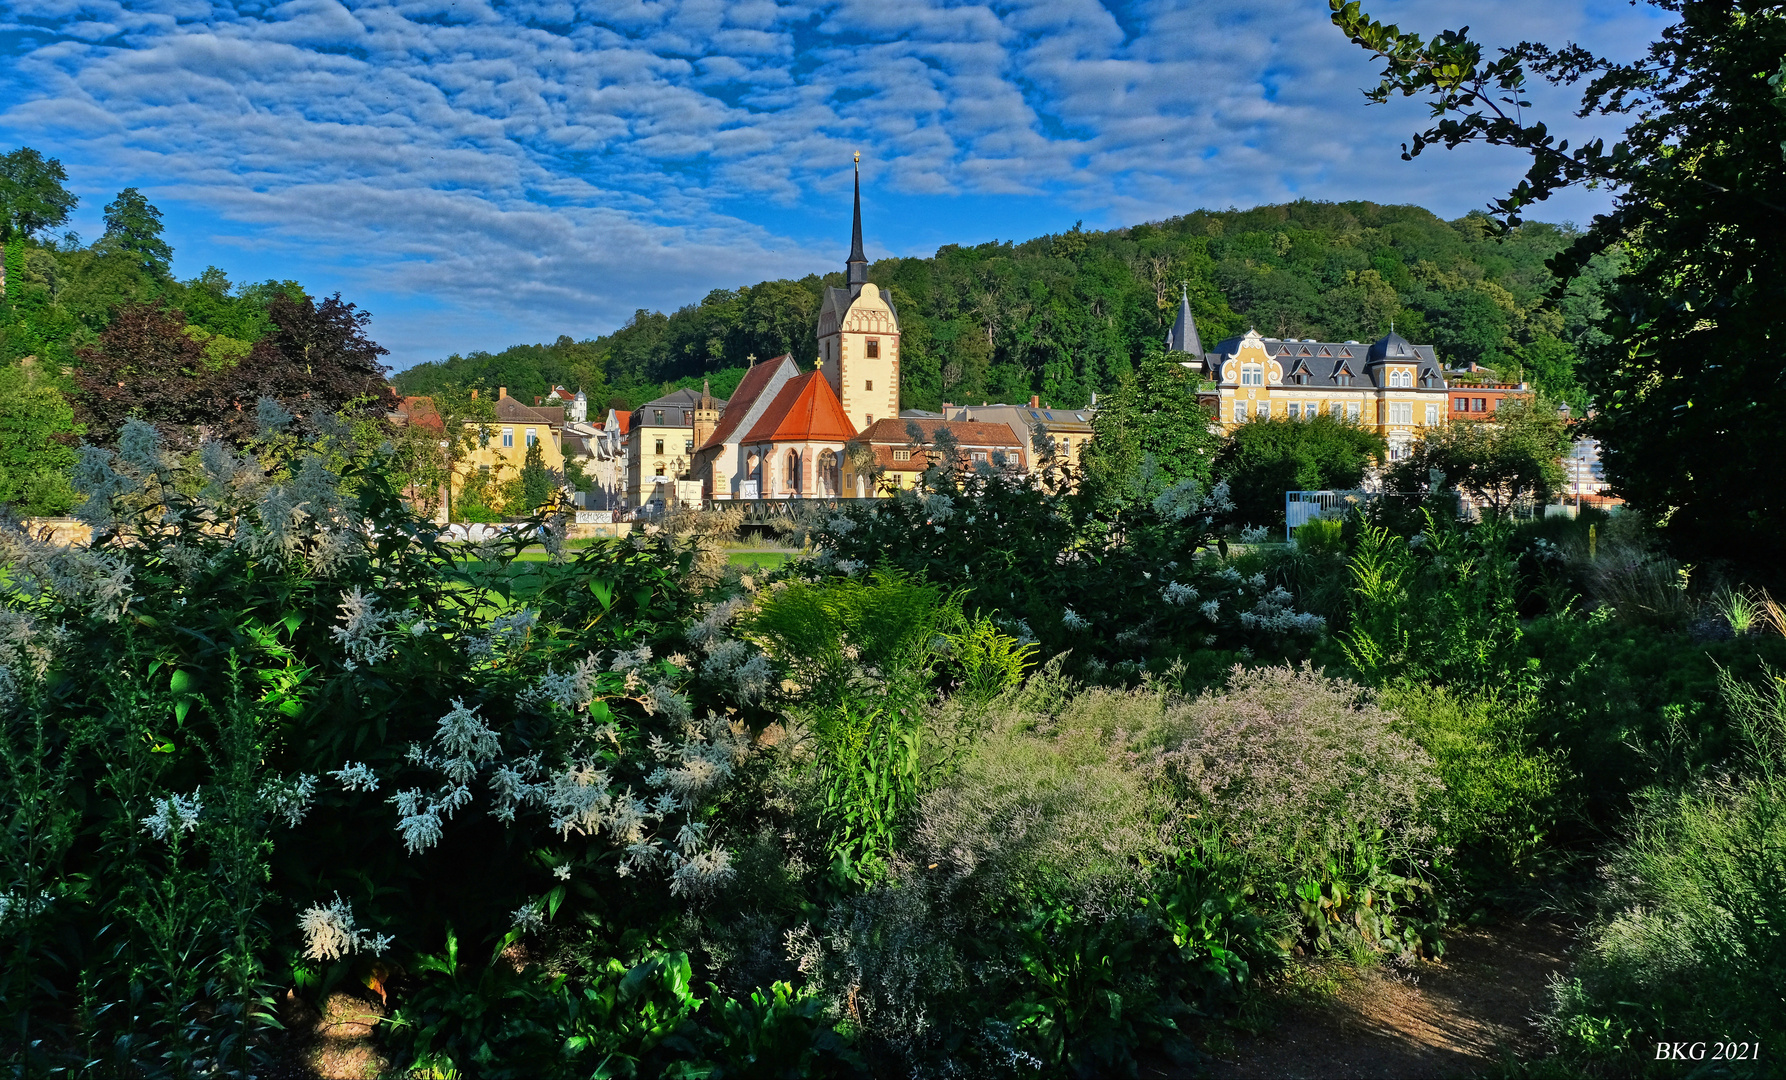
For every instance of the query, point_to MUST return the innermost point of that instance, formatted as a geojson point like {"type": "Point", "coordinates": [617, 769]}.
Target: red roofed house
{"type": "Point", "coordinates": [983, 445]}
{"type": "Point", "coordinates": [795, 450]}
{"type": "Point", "coordinates": [720, 462]}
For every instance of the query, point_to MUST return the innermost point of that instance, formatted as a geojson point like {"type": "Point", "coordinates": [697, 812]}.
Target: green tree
{"type": "Point", "coordinates": [32, 195]}
{"type": "Point", "coordinates": [36, 429]}
{"type": "Point", "coordinates": [1691, 412]}
{"type": "Point", "coordinates": [1515, 457]}
{"type": "Point", "coordinates": [1262, 459]}
{"type": "Point", "coordinates": [1152, 426]}
{"type": "Point", "coordinates": [536, 482]}
{"type": "Point", "coordinates": [133, 228]}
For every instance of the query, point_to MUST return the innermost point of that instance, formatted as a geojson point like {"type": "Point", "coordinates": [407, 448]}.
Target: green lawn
{"type": "Point", "coordinates": [767, 560]}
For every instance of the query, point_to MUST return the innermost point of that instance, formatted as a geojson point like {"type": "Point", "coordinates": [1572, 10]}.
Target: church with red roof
{"type": "Point", "coordinates": [783, 433]}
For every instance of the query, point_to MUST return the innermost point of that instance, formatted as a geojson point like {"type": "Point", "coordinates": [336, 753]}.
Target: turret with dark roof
{"type": "Point", "coordinates": [1184, 337]}
{"type": "Point", "coordinates": [1392, 346]}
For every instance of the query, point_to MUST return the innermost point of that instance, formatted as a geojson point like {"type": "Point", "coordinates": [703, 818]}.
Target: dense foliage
{"type": "Point", "coordinates": [1685, 379]}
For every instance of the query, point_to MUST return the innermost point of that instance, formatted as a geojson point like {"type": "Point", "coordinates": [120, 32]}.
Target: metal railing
{"type": "Point", "coordinates": [1301, 507]}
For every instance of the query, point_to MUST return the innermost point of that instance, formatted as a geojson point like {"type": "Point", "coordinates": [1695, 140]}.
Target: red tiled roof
{"type": "Point", "coordinates": [421, 412]}
{"type": "Point", "coordinates": [755, 381]}
{"type": "Point", "coordinates": [884, 436]}
{"type": "Point", "coordinates": [973, 433]}
{"type": "Point", "coordinates": [806, 408]}
{"type": "Point", "coordinates": [624, 418]}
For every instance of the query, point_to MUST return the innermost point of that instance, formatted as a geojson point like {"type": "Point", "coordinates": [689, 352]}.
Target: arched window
{"type": "Point", "coordinates": [793, 472]}
{"type": "Point", "coordinates": [826, 482]}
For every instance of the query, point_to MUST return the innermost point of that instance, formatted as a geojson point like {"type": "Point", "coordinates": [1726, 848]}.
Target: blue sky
{"type": "Point", "coordinates": [478, 174]}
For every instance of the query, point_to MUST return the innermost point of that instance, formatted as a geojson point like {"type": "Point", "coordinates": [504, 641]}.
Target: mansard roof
{"type": "Point", "coordinates": [1324, 361]}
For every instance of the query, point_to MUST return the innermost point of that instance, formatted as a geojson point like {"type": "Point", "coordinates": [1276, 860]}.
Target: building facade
{"type": "Point", "coordinates": [661, 444]}
{"type": "Point", "coordinates": [795, 450]}
{"type": "Point", "coordinates": [1066, 431]}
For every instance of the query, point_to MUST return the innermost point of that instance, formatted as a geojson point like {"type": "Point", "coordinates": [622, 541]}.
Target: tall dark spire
{"type": "Point", "coordinates": [1184, 332]}
{"type": "Point", "coordinates": [858, 262]}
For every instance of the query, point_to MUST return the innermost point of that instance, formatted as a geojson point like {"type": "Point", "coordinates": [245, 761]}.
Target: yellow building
{"type": "Point", "coordinates": [515, 428]}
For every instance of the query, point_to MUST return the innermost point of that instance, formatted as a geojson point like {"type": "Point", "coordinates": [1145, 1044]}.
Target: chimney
{"type": "Point", "coordinates": [1035, 401]}
{"type": "Point", "coordinates": [502, 392]}
{"type": "Point", "coordinates": [474, 395]}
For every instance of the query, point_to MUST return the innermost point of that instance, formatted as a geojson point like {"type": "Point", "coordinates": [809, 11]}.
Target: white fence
{"type": "Point", "coordinates": [1301, 507]}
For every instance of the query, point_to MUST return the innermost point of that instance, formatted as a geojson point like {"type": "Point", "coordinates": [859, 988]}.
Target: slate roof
{"type": "Point", "coordinates": [1184, 331]}
{"type": "Point", "coordinates": [679, 409]}
{"type": "Point", "coordinates": [806, 409]}
{"type": "Point", "coordinates": [1323, 361]}
{"type": "Point", "coordinates": [755, 381]}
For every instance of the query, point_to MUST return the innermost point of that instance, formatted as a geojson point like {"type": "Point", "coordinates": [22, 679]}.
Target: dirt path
{"type": "Point", "coordinates": [1452, 1018]}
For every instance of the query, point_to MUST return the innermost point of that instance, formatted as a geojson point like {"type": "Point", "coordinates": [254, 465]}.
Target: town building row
{"type": "Point", "coordinates": [839, 431]}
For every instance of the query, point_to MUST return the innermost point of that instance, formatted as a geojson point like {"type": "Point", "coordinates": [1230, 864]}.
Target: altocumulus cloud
{"type": "Point", "coordinates": [481, 173]}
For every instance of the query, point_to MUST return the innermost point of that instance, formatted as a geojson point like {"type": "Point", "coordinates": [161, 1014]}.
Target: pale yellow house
{"type": "Point", "coordinates": [515, 428]}
{"type": "Point", "coordinates": [1391, 386]}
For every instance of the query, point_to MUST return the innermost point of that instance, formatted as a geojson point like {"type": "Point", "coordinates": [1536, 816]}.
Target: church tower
{"type": "Point", "coordinates": [858, 336]}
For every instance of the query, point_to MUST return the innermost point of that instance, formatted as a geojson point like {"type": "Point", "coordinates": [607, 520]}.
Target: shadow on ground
{"type": "Point", "coordinates": [1440, 1019]}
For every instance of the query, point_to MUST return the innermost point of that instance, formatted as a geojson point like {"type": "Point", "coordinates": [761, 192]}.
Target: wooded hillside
{"type": "Point", "coordinates": [1065, 315]}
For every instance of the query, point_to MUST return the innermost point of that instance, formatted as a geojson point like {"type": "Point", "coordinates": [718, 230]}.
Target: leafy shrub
{"type": "Point", "coordinates": [318, 735]}
{"type": "Point", "coordinates": [1504, 798]}
{"type": "Point", "coordinates": [1691, 939]}
{"type": "Point", "coordinates": [1307, 781]}
{"type": "Point", "coordinates": [1125, 587]}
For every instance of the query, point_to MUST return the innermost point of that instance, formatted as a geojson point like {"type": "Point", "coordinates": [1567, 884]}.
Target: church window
{"type": "Point", "coordinates": [868, 384]}
{"type": "Point", "coordinates": [874, 348]}
{"type": "Point", "coordinates": [508, 436]}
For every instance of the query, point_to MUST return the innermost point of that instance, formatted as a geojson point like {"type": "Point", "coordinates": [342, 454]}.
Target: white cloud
{"type": "Point", "coordinates": [503, 172]}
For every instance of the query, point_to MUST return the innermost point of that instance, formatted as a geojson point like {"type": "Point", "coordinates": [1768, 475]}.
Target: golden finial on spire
{"type": "Point", "coordinates": [858, 157]}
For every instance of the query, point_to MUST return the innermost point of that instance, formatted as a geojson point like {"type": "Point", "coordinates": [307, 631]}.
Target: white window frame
{"type": "Point", "coordinates": [1240, 412]}
{"type": "Point", "coordinates": [532, 436]}
{"type": "Point", "coordinates": [508, 437]}
{"type": "Point", "coordinates": [1432, 415]}
{"type": "Point", "coordinates": [1352, 411]}
{"type": "Point", "coordinates": [1252, 375]}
